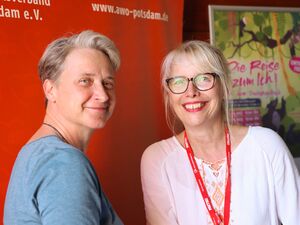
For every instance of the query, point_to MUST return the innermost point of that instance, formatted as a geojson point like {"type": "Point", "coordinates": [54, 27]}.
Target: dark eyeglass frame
{"type": "Point", "coordinates": [192, 79]}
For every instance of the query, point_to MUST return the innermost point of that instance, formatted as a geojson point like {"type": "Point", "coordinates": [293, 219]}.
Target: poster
{"type": "Point", "coordinates": [141, 31]}
{"type": "Point", "coordinates": [262, 46]}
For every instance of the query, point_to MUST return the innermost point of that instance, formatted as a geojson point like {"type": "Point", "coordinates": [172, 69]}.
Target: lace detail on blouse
{"type": "Point", "coordinates": [214, 177]}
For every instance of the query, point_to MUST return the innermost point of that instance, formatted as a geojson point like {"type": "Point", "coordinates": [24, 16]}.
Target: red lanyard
{"type": "Point", "coordinates": [214, 216]}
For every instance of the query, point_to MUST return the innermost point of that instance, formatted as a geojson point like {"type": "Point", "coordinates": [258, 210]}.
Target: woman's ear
{"type": "Point", "coordinates": [49, 90]}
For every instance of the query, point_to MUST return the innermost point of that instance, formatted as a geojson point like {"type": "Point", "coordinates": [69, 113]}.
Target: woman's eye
{"type": "Point", "coordinates": [85, 81]}
{"type": "Point", "coordinates": [108, 85]}
{"type": "Point", "coordinates": [178, 81]}
{"type": "Point", "coordinates": [203, 78]}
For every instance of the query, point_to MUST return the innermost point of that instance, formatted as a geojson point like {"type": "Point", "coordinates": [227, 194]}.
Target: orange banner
{"type": "Point", "coordinates": [144, 31]}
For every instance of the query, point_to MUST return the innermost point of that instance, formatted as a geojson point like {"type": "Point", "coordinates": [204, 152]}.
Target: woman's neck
{"type": "Point", "coordinates": [71, 134]}
{"type": "Point", "coordinates": [207, 143]}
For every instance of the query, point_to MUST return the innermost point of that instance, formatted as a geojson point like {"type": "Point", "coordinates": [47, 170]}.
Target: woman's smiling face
{"type": "Point", "coordinates": [194, 107]}
{"type": "Point", "coordinates": [85, 89]}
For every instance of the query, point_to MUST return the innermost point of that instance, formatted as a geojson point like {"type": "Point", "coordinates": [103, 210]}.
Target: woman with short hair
{"type": "Point", "coordinates": [52, 181]}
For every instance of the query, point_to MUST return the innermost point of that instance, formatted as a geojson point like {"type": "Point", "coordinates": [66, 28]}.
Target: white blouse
{"type": "Point", "coordinates": [265, 183]}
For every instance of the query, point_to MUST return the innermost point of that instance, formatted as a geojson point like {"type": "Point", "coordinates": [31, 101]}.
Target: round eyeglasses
{"type": "Point", "coordinates": [202, 82]}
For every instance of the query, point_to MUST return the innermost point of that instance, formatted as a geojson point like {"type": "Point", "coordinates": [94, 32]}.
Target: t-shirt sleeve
{"type": "Point", "coordinates": [287, 183]}
{"type": "Point", "coordinates": [67, 191]}
{"type": "Point", "coordinates": [157, 195]}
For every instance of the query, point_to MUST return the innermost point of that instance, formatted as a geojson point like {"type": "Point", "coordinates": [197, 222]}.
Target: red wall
{"type": "Point", "coordinates": [138, 119]}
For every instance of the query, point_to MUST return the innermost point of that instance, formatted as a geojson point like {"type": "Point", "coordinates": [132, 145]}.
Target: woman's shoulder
{"type": "Point", "coordinates": [160, 150]}
{"type": "Point", "coordinates": [262, 134]}
{"type": "Point", "coordinates": [49, 160]}
{"type": "Point", "coordinates": [264, 139]}
{"type": "Point", "coordinates": [240, 132]}
{"type": "Point", "coordinates": [52, 144]}
{"type": "Point", "coordinates": [51, 152]}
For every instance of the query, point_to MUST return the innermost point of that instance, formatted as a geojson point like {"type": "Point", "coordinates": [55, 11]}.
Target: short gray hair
{"type": "Point", "coordinates": [51, 63]}
{"type": "Point", "coordinates": [206, 58]}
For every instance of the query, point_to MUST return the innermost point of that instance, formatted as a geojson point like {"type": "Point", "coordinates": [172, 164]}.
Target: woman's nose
{"type": "Point", "coordinates": [100, 92]}
{"type": "Point", "coordinates": [191, 89]}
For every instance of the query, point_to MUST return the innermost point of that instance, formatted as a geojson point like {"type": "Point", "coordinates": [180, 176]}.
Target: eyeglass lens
{"type": "Point", "coordinates": [180, 84]}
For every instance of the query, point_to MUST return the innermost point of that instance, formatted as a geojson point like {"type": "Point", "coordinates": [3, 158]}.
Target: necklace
{"type": "Point", "coordinates": [216, 219]}
{"type": "Point", "coordinates": [57, 132]}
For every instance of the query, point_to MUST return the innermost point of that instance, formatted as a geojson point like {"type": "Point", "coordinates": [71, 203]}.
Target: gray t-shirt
{"type": "Point", "coordinates": [53, 183]}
